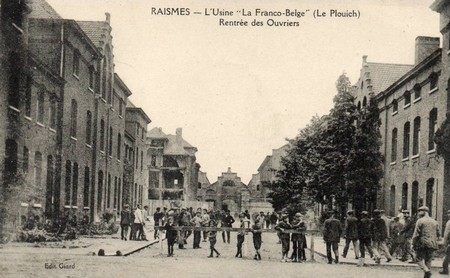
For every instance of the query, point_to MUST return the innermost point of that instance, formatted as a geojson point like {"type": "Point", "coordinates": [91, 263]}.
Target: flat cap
{"type": "Point", "coordinates": [405, 211]}
{"type": "Point", "coordinates": [424, 208]}
{"type": "Point", "coordinates": [365, 212]}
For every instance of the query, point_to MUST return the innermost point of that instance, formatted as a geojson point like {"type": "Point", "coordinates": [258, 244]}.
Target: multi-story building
{"type": "Point", "coordinates": [172, 167]}
{"type": "Point", "coordinates": [413, 102]}
{"type": "Point", "coordinates": [64, 118]}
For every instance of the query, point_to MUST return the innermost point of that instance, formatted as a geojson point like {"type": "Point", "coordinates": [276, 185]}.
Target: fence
{"type": "Point", "coordinates": [311, 233]}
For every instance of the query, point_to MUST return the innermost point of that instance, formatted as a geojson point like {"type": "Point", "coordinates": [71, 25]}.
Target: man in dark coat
{"type": "Point", "coordinates": [125, 221]}
{"type": "Point", "coordinates": [332, 235]}
{"type": "Point", "coordinates": [365, 236]}
{"type": "Point", "coordinates": [379, 236]}
{"type": "Point", "coordinates": [407, 232]}
{"type": "Point", "coordinates": [283, 225]}
{"type": "Point", "coordinates": [227, 222]}
{"type": "Point", "coordinates": [351, 233]}
{"type": "Point", "coordinates": [157, 219]}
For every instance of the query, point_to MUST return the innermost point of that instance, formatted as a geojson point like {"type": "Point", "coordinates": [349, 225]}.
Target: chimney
{"type": "Point", "coordinates": [229, 169]}
{"type": "Point", "coordinates": [108, 18]}
{"type": "Point", "coordinates": [425, 46]}
{"type": "Point", "coordinates": [364, 60]}
{"type": "Point", "coordinates": [179, 134]}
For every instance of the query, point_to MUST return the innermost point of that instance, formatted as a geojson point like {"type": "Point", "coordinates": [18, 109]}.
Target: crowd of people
{"type": "Point", "coordinates": [401, 237]}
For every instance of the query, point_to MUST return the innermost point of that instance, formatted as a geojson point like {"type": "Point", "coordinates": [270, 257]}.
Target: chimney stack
{"type": "Point", "coordinates": [179, 134]}
{"type": "Point", "coordinates": [108, 18]}
{"type": "Point", "coordinates": [425, 46]}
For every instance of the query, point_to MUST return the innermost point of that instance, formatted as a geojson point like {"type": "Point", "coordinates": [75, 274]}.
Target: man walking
{"type": "Point", "coordinates": [424, 240]}
{"type": "Point", "coordinates": [157, 219]}
{"type": "Point", "coordinates": [407, 232]}
{"type": "Point", "coordinates": [380, 234]}
{"type": "Point", "coordinates": [351, 233]}
{"type": "Point", "coordinates": [446, 245]}
{"type": "Point", "coordinates": [227, 222]}
{"type": "Point", "coordinates": [138, 222]}
{"type": "Point", "coordinates": [365, 236]}
{"type": "Point", "coordinates": [332, 235]}
{"type": "Point", "coordinates": [197, 223]}
{"type": "Point", "coordinates": [125, 221]}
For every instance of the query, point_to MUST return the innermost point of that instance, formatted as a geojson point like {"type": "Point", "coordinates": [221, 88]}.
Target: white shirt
{"type": "Point", "coordinates": [138, 216]}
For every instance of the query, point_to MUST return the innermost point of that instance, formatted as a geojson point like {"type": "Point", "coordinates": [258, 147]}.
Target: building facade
{"type": "Point", "coordinates": [172, 168]}
{"type": "Point", "coordinates": [64, 118]}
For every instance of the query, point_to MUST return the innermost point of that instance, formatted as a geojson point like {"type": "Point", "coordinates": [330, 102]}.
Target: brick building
{"type": "Point", "coordinates": [172, 168]}
{"type": "Point", "coordinates": [65, 124]}
{"type": "Point", "coordinates": [413, 102]}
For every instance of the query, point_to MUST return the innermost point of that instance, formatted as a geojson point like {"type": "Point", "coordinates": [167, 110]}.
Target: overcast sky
{"type": "Point", "coordinates": [238, 92]}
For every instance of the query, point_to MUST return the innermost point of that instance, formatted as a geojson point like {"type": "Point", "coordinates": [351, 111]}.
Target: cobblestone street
{"type": "Point", "coordinates": [27, 262]}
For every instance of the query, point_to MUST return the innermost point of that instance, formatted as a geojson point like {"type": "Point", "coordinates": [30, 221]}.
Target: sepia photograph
{"type": "Point", "coordinates": [289, 138]}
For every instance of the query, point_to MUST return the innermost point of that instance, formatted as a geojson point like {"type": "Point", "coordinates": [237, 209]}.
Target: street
{"type": "Point", "coordinates": [58, 262]}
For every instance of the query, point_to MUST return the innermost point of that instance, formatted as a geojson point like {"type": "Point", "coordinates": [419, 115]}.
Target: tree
{"type": "Point", "coordinates": [365, 160]}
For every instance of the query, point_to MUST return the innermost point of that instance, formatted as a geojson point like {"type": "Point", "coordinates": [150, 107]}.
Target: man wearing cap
{"type": "Point", "coordinates": [365, 236]}
{"type": "Point", "coordinates": [351, 233]}
{"type": "Point", "coordinates": [446, 245]}
{"type": "Point", "coordinates": [125, 221]}
{"type": "Point", "coordinates": [379, 236]}
{"type": "Point", "coordinates": [332, 235]}
{"type": "Point", "coordinates": [407, 232]}
{"type": "Point", "coordinates": [227, 222]}
{"type": "Point", "coordinates": [183, 221]}
{"type": "Point", "coordinates": [424, 240]}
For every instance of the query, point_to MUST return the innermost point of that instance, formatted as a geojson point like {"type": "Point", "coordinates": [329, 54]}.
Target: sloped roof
{"type": "Point", "coordinates": [173, 148]}
{"type": "Point", "coordinates": [184, 143]}
{"type": "Point", "coordinates": [203, 178]}
{"type": "Point", "coordinates": [156, 132]}
{"type": "Point", "coordinates": [42, 9]}
{"type": "Point", "coordinates": [264, 163]}
{"type": "Point", "coordinates": [383, 75]}
{"type": "Point", "coordinates": [94, 30]}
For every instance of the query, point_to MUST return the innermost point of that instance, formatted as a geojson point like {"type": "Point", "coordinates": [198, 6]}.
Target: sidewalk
{"type": "Point", "coordinates": [85, 246]}
{"type": "Point", "coordinates": [321, 250]}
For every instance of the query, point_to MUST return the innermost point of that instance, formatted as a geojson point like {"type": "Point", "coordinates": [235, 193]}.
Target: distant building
{"type": "Point", "coordinates": [172, 168]}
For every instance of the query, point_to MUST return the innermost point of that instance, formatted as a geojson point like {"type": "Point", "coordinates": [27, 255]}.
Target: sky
{"type": "Point", "coordinates": [239, 92]}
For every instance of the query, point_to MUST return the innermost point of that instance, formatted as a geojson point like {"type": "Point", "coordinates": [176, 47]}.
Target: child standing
{"type": "Point", "coordinates": [240, 236]}
{"type": "Point", "coordinates": [257, 240]}
{"type": "Point", "coordinates": [283, 225]}
{"type": "Point", "coordinates": [212, 236]}
{"type": "Point", "coordinates": [171, 236]}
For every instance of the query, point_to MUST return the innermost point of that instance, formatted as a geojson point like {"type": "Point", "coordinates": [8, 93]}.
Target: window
{"type": "Point", "coordinates": [73, 118]}
{"type": "Point", "coordinates": [258, 187]}
{"type": "Point", "coordinates": [153, 161]}
{"type": "Point", "coordinates": [119, 145]}
{"type": "Point", "coordinates": [100, 191]}
{"type": "Point", "coordinates": [102, 135]}
{"type": "Point", "coordinates": [394, 106]}
{"type": "Point", "coordinates": [110, 141]}
{"type": "Point", "coordinates": [115, 193]}
{"type": "Point", "coordinates": [104, 79]}
{"type": "Point", "coordinates": [433, 81]}
{"type": "Point", "coordinates": [416, 136]}
{"type": "Point", "coordinates": [364, 102]}
{"type": "Point", "coordinates": [120, 107]}
{"type": "Point", "coordinates": [37, 169]}
{"type": "Point", "coordinates": [429, 195]}
{"type": "Point", "coordinates": [432, 129]}
{"type": "Point", "coordinates": [52, 121]}
{"type": "Point", "coordinates": [26, 159]}
{"type": "Point", "coordinates": [49, 191]}
{"type": "Point", "coordinates": [86, 187]}
{"type": "Point", "coordinates": [40, 107]}
{"type": "Point", "coordinates": [10, 158]}
{"type": "Point", "coordinates": [405, 196]}
{"type": "Point", "coordinates": [417, 92]}
{"type": "Point", "coordinates": [407, 97]}
{"type": "Point", "coordinates": [68, 182]}
{"type": "Point", "coordinates": [414, 197]}
{"type": "Point", "coordinates": [28, 97]}
{"type": "Point", "coordinates": [76, 63]}
{"type": "Point", "coordinates": [143, 134]}
{"type": "Point", "coordinates": [75, 184]}
{"type": "Point", "coordinates": [108, 192]}
{"type": "Point", "coordinates": [88, 127]}
{"type": "Point", "coordinates": [406, 134]}
{"type": "Point", "coordinates": [14, 79]}
{"type": "Point", "coordinates": [119, 195]}
{"type": "Point", "coordinates": [359, 105]}
{"type": "Point", "coordinates": [137, 157]}
{"type": "Point", "coordinates": [394, 145]}
{"type": "Point", "coordinates": [91, 78]}
{"type": "Point", "coordinates": [392, 207]}
{"type": "Point", "coordinates": [142, 160]}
